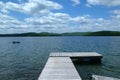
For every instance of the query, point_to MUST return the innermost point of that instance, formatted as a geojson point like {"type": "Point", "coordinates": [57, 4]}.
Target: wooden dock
{"type": "Point", "coordinates": [81, 56]}
{"type": "Point", "coordinates": [97, 77]}
{"type": "Point", "coordinates": [60, 66]}
{"type": "Point", "coordinates": [76, 54]}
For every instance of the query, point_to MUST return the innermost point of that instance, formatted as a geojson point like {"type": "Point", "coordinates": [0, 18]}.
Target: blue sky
{"type": "Point", "coordinates": [19, 16]}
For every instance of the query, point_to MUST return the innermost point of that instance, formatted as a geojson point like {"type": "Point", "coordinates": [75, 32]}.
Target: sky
{"type": "Point", "coordinates": [59, 16]}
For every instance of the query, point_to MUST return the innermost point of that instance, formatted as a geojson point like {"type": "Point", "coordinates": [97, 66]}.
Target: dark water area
{"type": "Point", "coordinates": [25, 61]}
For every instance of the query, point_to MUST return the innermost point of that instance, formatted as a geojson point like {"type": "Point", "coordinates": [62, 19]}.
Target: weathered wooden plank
{"type": "Point", "coordinates": [97, 77]}
{"type": "Point", "coordinates": [59, 68]}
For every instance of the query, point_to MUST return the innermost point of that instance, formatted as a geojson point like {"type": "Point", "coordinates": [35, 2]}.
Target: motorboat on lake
{"type": "Point", "coordinates": [15, 42]}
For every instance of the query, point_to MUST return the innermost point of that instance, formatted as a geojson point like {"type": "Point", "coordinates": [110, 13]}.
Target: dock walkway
{"type": "Point", "coordinates": [59, 68]}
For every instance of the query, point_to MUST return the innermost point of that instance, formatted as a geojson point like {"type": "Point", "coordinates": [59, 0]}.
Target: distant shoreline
{"type": "Point", "coordinates": [45, 34]}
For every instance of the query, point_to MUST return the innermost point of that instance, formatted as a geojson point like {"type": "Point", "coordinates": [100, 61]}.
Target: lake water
{"type": "Point", "coordinates": [26, 60]}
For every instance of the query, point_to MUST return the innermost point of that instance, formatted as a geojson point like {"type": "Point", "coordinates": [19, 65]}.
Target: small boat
{"type": "Point", "coordinates": [14, 42]}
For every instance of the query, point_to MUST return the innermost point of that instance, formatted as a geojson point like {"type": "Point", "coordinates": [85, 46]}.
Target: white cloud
{"type": "Point", "coordinates": [57, 22]}
{"type": "Point", "coordinates": [75, 2]}
{"type": "Point", "coordinates": [1, 4]}
{"type": "Point", "coordinates": [116, 12]}
{"type": "Point", "coordinates": [13, 6]}
{"type": "Point", "coordinates": [2, 8]}
{"type": "Point", "coordinates": [109, 3]}
{"type": "Point", "coordinates": [10, 24]}
{"type": "Point", "coordinates": [38, 6]}
{"type": "Point", "coordinates": [31, 7]}
{"type": "Point", "coordinates": [48, 21]}
{"type": "Point", "coordinates": [61, 22]}
{"type": "Point", "coordinates": [8, 20]}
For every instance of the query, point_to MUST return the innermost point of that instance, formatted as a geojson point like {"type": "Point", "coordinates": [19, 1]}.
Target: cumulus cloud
{"type": "Point", "coordinates": [37, 6]}
{"type": "Point", "coordinates": [116, 12]}
{"type": "Point", "coordinates": [57, 22]}
{"type": "Point", "coordinates": [48, 21]}
{"type": "Point", "coordinates": [10, 24]}
{"type": "Point", "coordinates": [75, 2]}
{"type": "Point", "coordinates": [8, 20]}
{"type": "Point", "coordinates": [31, 7]}
{"type": "Point", "coordinates": [110, 3]}
{"type": "Point", "coordinates": [61, 22]}
{"type": "Point", "coordinates": [2, 8]}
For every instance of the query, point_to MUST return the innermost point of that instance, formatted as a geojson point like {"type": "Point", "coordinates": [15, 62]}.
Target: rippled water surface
{"type": "Point", "coordinates": [26, 60]}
